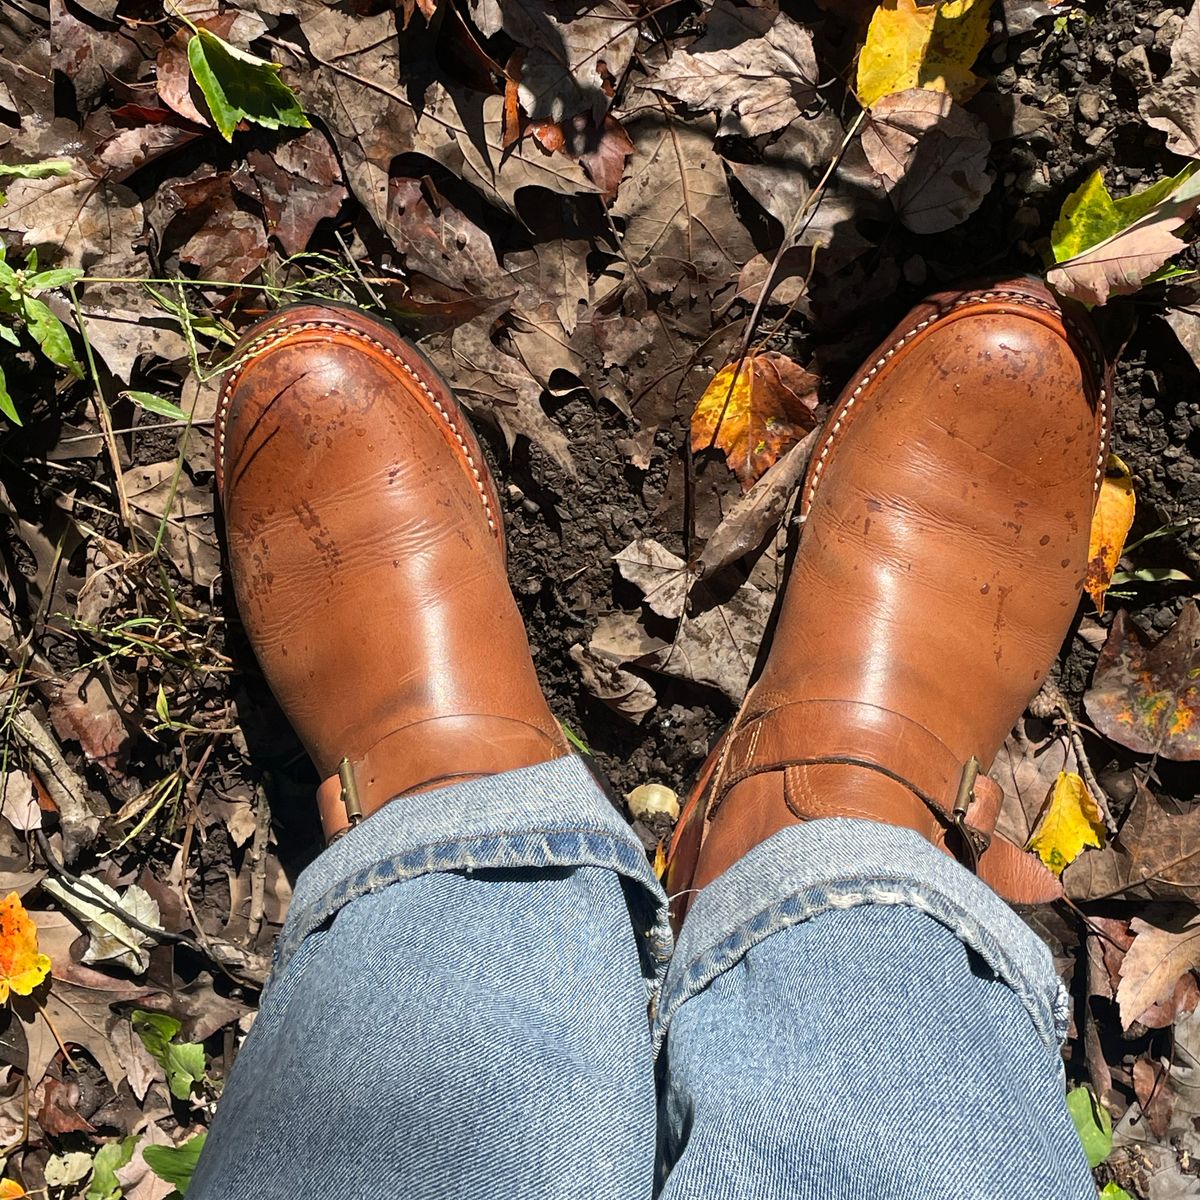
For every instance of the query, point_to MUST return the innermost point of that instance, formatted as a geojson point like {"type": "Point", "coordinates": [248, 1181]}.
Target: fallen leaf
{"type": "Point", "coordinates": [718, 645]}
{"type": "Point", "coordinates": [64, 1169]}
{"type": "Point", "coordinates": [1154, 963]}
{"type": "Point", "coordinates": [678, 218]}
{"type": "Point", "coordinates": [1027, 767]}
{"type": "Point", "coordinates": [1174, 104]}
{"type": "Point", "coordinates": [756, 413]}
{"type": "Point", "coordinates": [625, 693]}
{"type": "Point", "coordinates": [570, 66]}
{"type": "Point", "coordinates": [1153, 1094]}
{"type": "Point", "coordinates": [1155, 856]}
{"type": "Point", "coordinates": [662, 577]}
{"type": "Point", "coordinates": [756, 516]}
{"type": "Point", "coordinates": [238, 86]}
{"type": "Point", "coordinates": [932, 157]}
{"type": "Point", "coordinates": [1125, 260]}
{"type": "Point", "coordinates": [110, 938]}
{"type": "Point", "coordinates": [57, 1112]}
{"type": "Point", "coordinates": [300, 185]}
{"type": "Point", "coordinates": [1110, 526]}
{"type": "Point", "coordinates": [603, 154]}
{"type": "Point", "coordinates": [754, 66]}
{"type": "Point", "coordinates": [184, 512]}
{"type": "Point", "coordinates": [18, 804]}
{"type": "Point", "coordinates": [1147, 697]}
{"type": "Point", "coordinates": [86, 712]}
{"type": "Point", "coordinates": [10, 1189]}
{"type": "Point", "coordinates": [22, 967]}
{"type": "Point", "coordinates": [922, 46]}
{"type": "Point", "coordinates": [1071, 822]}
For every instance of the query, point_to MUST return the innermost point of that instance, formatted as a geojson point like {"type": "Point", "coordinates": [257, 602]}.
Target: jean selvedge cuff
{"type": "Point", "coordinates": [551, 815]}
{"type": "Point", "coordinates": [839, 863]}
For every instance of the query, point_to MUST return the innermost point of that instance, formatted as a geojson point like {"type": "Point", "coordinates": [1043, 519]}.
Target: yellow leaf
{"type": "Point", "coordinates": [1110, 527]}
{"type": "Point", "coordinates": [1070, 821]}
{"type": "Point", "coordinates": [922, 46]}
{"type": "Point", "coordinates": [660, 869]}
{"type": "Point", "coordinates": [754, 414]}
{"type": "Point", "coordinates": [22, 968]}
{"type": "Point", "coordinates": [10, 1189]}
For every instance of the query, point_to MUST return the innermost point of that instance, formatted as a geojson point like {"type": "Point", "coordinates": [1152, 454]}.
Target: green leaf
{"type": "Point", "coordinates": [1114, 1191]}
{"type": "Point", "coordinates": [159, 405]}
{"type": "Point", "coordinates": [1152, 575]}
{"type": "Point", "coordinates": [7, 407]}
{"type": "Point", "coordinates": [160, 706]}
{"type": "Point", "coordinates": [1092, 1123]}
{"type": "Point", "coordinates": [58, 277]}
{"type": "Point", "coordinates": [7, 335]}
{"type": "Point", "coordinates": [109, 1160]}
{"type": "Point", "coordinates": [240, 86]}
{"type": "Point", "coordinates": [49, 333]}
{"type": "Point", "coordinates": [175, 1164]}
{"type": "Point", "coordinates": [1090, 214]}
{"type": "Point", "coordinates": [38, 170]}
{"type": "Point", "coordinates": [182, 1061]}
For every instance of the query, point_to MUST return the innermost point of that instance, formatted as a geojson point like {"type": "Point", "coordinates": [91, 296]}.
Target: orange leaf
{"type": "Point", "coordinates": [22, 968]}
{"type": "Point", "coordinates": [755, 414]}
{"type": "Point", "coordinates": [1110, 527]}
{"type": "Point", "coordinates": [10, 1189]}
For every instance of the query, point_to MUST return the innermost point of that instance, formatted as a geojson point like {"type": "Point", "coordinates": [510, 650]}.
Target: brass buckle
{"type": "Point", "coordinates": [974, 840]}
{"type": "Point", "coordinates": [350, 799]}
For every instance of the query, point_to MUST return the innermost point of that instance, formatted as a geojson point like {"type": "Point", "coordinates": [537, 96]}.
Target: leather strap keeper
{"type": "Point", "coordinates": [415, 757]}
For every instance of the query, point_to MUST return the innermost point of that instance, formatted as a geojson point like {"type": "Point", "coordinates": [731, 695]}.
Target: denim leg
{"type": "Point", "coordinates": [459, 1008]}
{"type": "Point", "coordinates": [850, 1015]}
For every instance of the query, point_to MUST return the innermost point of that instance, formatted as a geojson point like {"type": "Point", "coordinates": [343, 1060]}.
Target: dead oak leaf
{"type": "Point", "coordinates": [1173, 106]}
{"type": "Point", "coordinates": [755, 67]}
{"type": "Point", "coordinates": [22, 966]}
{"type": "Point", "coordinates": [570, 66]}
{"type": "Point", "coordinates": [1071, 822]}
{"type": "Point", "coordinates": [932, 158]}
{"type": "Point", "coordinates": [1153, 965]}
{"type": "Point", "coordinates": [1155, 856]}
{"type": "Point", "coordinates": [1147, 697]}
{"type": "Point", "coordinates": [755, 412]}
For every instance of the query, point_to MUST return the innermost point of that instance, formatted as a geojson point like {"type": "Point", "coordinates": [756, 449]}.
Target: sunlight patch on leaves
{"type": "Point", "coordinates": [922, 46]}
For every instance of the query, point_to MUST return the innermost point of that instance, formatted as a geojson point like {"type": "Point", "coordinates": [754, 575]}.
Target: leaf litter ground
{"type": "Point", "coordinates": [575, 211]}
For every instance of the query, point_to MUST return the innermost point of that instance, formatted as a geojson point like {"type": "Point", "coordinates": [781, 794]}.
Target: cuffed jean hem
{"type": "Point", "coordinates": [551, 815]}
{"type": "Point", "coordinates": [841, 863]}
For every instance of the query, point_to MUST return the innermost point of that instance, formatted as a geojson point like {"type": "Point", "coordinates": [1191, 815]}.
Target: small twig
{"type": "Point", "coordinates": [81, 822]}
{"type": "Point", "coordinates": [57, 1036]}
{"type": "Point", "coordinates": [1051, 700]}
{"type": "Point", "coordinates": [258, 864]}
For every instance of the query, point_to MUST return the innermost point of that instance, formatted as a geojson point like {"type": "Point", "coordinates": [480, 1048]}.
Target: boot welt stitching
{"type": "Point", "coordinates": [278, 335]}
{"type": "Point", "coordinates": [976, 298]}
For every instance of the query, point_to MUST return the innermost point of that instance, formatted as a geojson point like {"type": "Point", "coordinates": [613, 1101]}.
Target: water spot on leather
{"type": "Point", "coordinates": [1044, 540]}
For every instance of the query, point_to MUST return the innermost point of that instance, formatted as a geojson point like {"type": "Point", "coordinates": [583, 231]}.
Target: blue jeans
{"type": "Point", "coordinates": [476, 995]}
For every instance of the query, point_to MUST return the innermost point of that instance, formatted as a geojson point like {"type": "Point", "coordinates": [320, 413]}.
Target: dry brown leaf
{"type": "Point", "coordinates": [756, 67]}
{"type": "Point", "coordinates": [86, 712]}
{"type": "Point", "coordinates": [1174, 104]}
{"type": "Point", "coordinates": [1156, 856]}
{"type": "Point", "coordinates": [932, 157]}
{"type": "Point", "coordinates": [662, 577]}
{"type": "Point", "coordinates": [185, 512]}
{"type": "Point", "coordinates": [1154, 1095]}
{"type": "Point", "coordinates": [755, 413]}
{"type": "Point", "coordinates": [679, 220]}
{"type": "Point", "coordinates": [1153, 965]}
{"type": "Point", "coordinates": [626, 694]}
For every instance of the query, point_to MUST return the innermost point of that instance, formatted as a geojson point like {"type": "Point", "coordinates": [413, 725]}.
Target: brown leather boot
{"type": "Point", "coordinates": [366, 549]}
{"type": "Point", "coordinates": [946, 516]}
